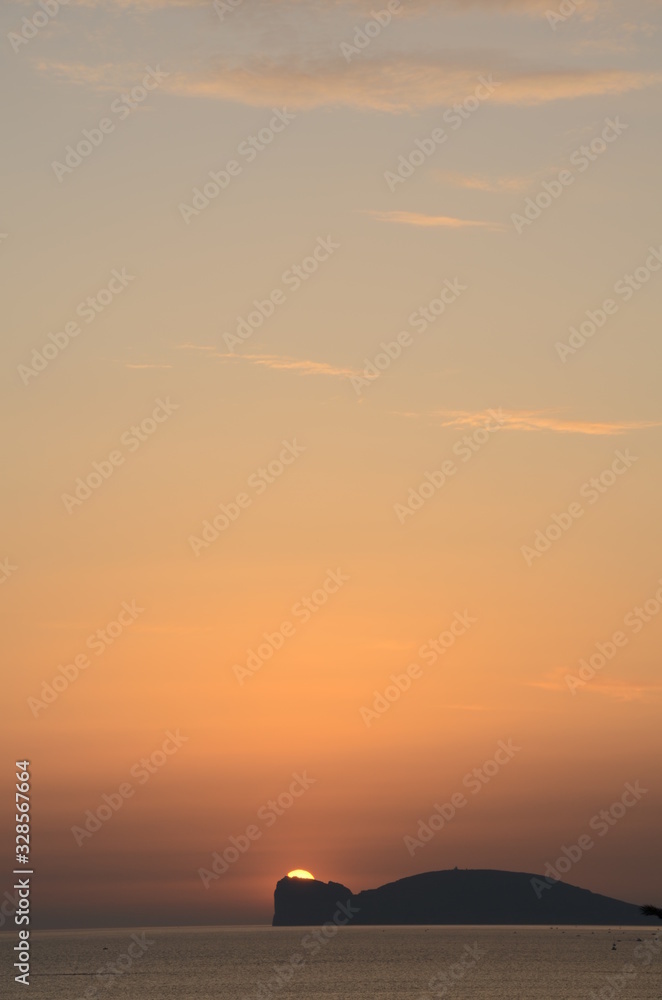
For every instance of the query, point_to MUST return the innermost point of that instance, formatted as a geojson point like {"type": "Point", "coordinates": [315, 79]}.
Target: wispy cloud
{"type": "Point", "coordinates": [397, 84]}
{"type": "Point", "coordinates": [586, 10]}
{"type": "Point", "coordinates": [614, 688]}
{"type": "Point", "coordinates": [481, 182]}
{"type": "Point", "coordinates": [432, 221]}
{"type": "Point", "coordinates": [146, 365]}
{"type": "Point", "coordinates": [412, 8]}
{"type": "Point", "coordinates": [471, 708]}
{"type": "Point", "coordinates": [617, 37]}
{"type": "Point", "coordinates": [515, 6]}
{"type": "Point", "coordinates": [537, 420]}
{"type": "Point", "coordinates": [458, 6]}
{"type": "Point", "coordinates": [139, 5]}
{"type": "Point", "coordinates": [302, 366]}
{"type": "Point", "coordinates": [195, 347]}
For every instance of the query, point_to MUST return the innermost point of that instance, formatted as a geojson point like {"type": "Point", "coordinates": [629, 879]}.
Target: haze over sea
{"type": "Point", "coordinates": [391, 963]}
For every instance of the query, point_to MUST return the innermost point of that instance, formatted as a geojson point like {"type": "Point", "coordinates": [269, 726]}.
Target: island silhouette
{"type": "Point", "coordinates": [457, 896]}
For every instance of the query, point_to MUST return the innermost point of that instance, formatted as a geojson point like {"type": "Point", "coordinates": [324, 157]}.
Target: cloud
{"type": "Point", "coordinates": [471, 708]}
{"type": "Point", "coordinates": [480, 182]}
{"type": "Point", "coordinates": [411, 8]}
{"type": "Point", "coordinates": [99, 76]}
{"type": "Point", "coordinates": [397, 84]}
{"type": "Point", "coordinates": [127, 365]}
{"type": "Point", "coordinates": [282, 363]}
{"type": "Point", "coordinates": [425, 6]}
{"type": "Point", "coordinates": [438, 221]}
{"type": "Point", "coordinates": [516, 6]}
{"type": "Point", "coordinates": [195, 347]}
{"type": "Point", "coordinates": [565, 681]}
{"type": "Point", "coordinates": [537, 420]}
{"type": "Point", "coordinates": [140, 5]}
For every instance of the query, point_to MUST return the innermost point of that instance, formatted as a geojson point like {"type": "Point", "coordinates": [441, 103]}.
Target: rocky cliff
{"type": "Point", "coordinates": [460, 896]}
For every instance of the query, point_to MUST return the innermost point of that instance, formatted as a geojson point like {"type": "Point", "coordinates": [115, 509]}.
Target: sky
{"type": "Point", "coordinates": [331, 393]}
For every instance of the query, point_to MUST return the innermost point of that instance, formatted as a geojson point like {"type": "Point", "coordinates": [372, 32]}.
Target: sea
{"type": "Point", "coordinates": [341, 963]}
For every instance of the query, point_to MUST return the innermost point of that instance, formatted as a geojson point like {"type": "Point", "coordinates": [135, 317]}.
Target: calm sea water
{"type": "Point", "coordinates": [358, 963]}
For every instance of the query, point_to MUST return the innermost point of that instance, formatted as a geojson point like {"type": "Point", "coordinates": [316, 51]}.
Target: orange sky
{"type": "Point", "coordinates": [322, 423]}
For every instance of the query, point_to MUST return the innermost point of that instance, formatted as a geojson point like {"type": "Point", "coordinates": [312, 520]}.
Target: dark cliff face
{"type": "Point", "coordinates": [454, 897]}
{"type": "Point", "coordinates": [306, 902]}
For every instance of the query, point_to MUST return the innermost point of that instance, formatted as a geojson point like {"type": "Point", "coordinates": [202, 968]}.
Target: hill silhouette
{"type": "Point", "coordinates": [458, 896]}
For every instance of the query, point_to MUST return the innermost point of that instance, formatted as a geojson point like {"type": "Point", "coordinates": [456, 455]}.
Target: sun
{"type": "Point", "coordinates": [299, 873]}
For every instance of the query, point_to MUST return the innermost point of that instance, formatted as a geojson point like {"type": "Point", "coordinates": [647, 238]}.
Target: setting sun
{"type": "Point", "coordinates": [326, 493]}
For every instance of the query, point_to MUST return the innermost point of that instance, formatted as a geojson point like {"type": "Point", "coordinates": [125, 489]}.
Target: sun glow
{"type": "Point", "coordinates": [299, 873]}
